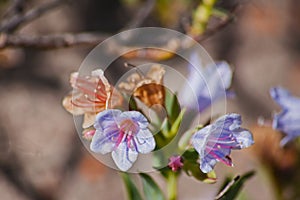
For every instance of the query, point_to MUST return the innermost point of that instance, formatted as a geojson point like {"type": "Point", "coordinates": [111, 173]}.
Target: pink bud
{"type": "Point", "coordinates": [88, 135]}
{"type": "Point", "coordinates": [175, 163]}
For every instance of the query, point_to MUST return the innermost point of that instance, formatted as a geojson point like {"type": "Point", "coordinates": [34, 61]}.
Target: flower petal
{"type": "Point", "coordinates": [230, 121]}
{"type": "Point", "coordinates": [225, 72]}
{"type": "Point", "coordinates": [124, 157]}
{"type": "Point", "coordinates": [144, 141]}
{"type": "Point", "coordinates": [67, 104]}
{"type": "Point", "coordinates": [207, 164]}
{"type": "Point", "coordinates": [88, 120]}
{"type": "Point", "coordinates": [284, 98]}
{"type": "Point", "coordinates": [244, 138]}
{"type": "Point", "coordinates": [207, 83]}
{"type": "Point", "coordinates": [137, 117]}
{"type": "Point", "coordinates": [217, 79]}
{"type": "Point", "coordinates": [102, 141]}
{"type": "Point", "coordinates": [288, 119]}
{"type": "Point", "coordinates": [107, 118]}
{"type": "Point", "coordinates": [199, 139]}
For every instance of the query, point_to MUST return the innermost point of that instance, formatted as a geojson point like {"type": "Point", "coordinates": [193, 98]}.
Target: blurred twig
{"type": "Point", "coordinates": [16, 8]}
{"type": "Point", "coordinates": [210, 32]}
{"type": "Point", "coordinates": [141, 15]}
{"type": "Point", "coordinates": [55, 41]}
{"type": "Point", "coordinates": [13, 23]}
{"type": "Point", "coordinates": [50, 41]}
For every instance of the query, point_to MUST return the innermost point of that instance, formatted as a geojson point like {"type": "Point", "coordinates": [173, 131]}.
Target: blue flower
{"type": "Point", "coordinates": [288, 120]}
{"type": "Point", "coordinates": [215, 141]}
{"type": "Point", "coordinates": [205, 84]}
{"type": "Point", "coordinates": [125, 134]}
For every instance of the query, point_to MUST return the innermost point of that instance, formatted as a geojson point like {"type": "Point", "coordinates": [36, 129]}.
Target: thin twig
{"type": "Point", "coordinates": [141, 15]}
{"type": "Point", "coordinates": [210, 32]}
{"type": "Point", "coordinates": [15, 8]}
{"type": "Point", "coordinates": [90, 39]}
{"type": "Point", "coordinates": [51, 41]}
{"type": "Point", "coordinates": [18, 20]}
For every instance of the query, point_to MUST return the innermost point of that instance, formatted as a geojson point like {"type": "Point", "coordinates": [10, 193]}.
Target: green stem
{"type": "Point", "coordinates": [172, 186]}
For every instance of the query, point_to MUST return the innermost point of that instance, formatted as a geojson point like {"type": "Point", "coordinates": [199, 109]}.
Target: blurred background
{"type": "Point", "coordinates": [42, 42]}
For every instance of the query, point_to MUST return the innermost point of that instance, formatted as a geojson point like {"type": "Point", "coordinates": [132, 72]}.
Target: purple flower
{"type": "Point", "coordinates": [215, 141]}
{"type": "Point", "coordinates": [288, 120]}
{"type": "Point", "coordinates": [175, 163]}
{"type": "Point", "coordinates": [205, 84]}
{"type": "Point", "coordinates": [125, 134]}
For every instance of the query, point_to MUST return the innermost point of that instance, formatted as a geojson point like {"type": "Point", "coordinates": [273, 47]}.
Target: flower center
{"type": "Point", "coordinates": [129, 127]}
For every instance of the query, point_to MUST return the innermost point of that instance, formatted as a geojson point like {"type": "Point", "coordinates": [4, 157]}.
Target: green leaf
{"type": "Point", "coordinates": [172, 106]}
{"type": "Point", "coordinates": [165, 127]}
{"type": "Point", "coordinates": [231, 189]}
{"type": "Point", "coordinates": [132, 191]}
{"type": "Point", "coordinates": [176, 124]}
{"type": "Point", "coordinates": [192, 167]}
{"type": "Point", "coordinates": [191, 155]}
{"type": "Point", "coordinates": [169, 134]}
{"type": "Point", "coordinates": [151, 189]}
{"type": "Point", "coordinates": [132, 104]}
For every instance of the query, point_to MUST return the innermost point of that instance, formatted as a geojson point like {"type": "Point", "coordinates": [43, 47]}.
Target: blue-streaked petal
{"type": "Point", "coordinates": [137, 117]}
{"type": "Point", "coordinates": [244, 138]}
{"type": "Point", "coordinates": [102, 141]}
{"type": "Point", "coordinates": [106, 118]}
{"type": "Point", "coordinates": [124, 157]}
{"type": "Point", "coordinates": [284, 98]}
{"type": "Point", "coordinates": [207, 164]}
{"type": "Point", "coordinates": [144, 141]}
{"type": "Point", "coordinates": [230, 121]}
{"type": "Point", "coordinates": [199, 139]}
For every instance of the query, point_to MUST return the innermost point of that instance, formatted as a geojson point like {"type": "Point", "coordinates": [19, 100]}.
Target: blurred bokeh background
{"type": "Point", "coordinates": [41, 155]}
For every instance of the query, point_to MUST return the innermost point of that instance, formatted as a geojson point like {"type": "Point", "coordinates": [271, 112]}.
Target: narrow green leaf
{"type": "Point", "coordinates": [172, 106]}
{"type": "Point", "coordinates": [151, 189]}
{"type": "Point", "coordinates": [231, 190]}
{"type": "Point", "coordinates": [132, 104]}
{"type": "Point", "coordinates": [132, 191]}
{"type": "Point", "coordinates": [165, 127]}
{"type": "Point", "coordinates": [176, 124]}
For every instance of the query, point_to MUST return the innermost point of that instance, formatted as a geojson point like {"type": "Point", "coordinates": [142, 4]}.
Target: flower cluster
{"type": "Point", "coordinates": [125, 134]}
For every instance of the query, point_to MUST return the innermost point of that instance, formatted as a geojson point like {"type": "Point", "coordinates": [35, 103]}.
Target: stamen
{"type": "Point", "coordinates": [135, 67]}
{"type": "Point", "coordinates": [226, 160]}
